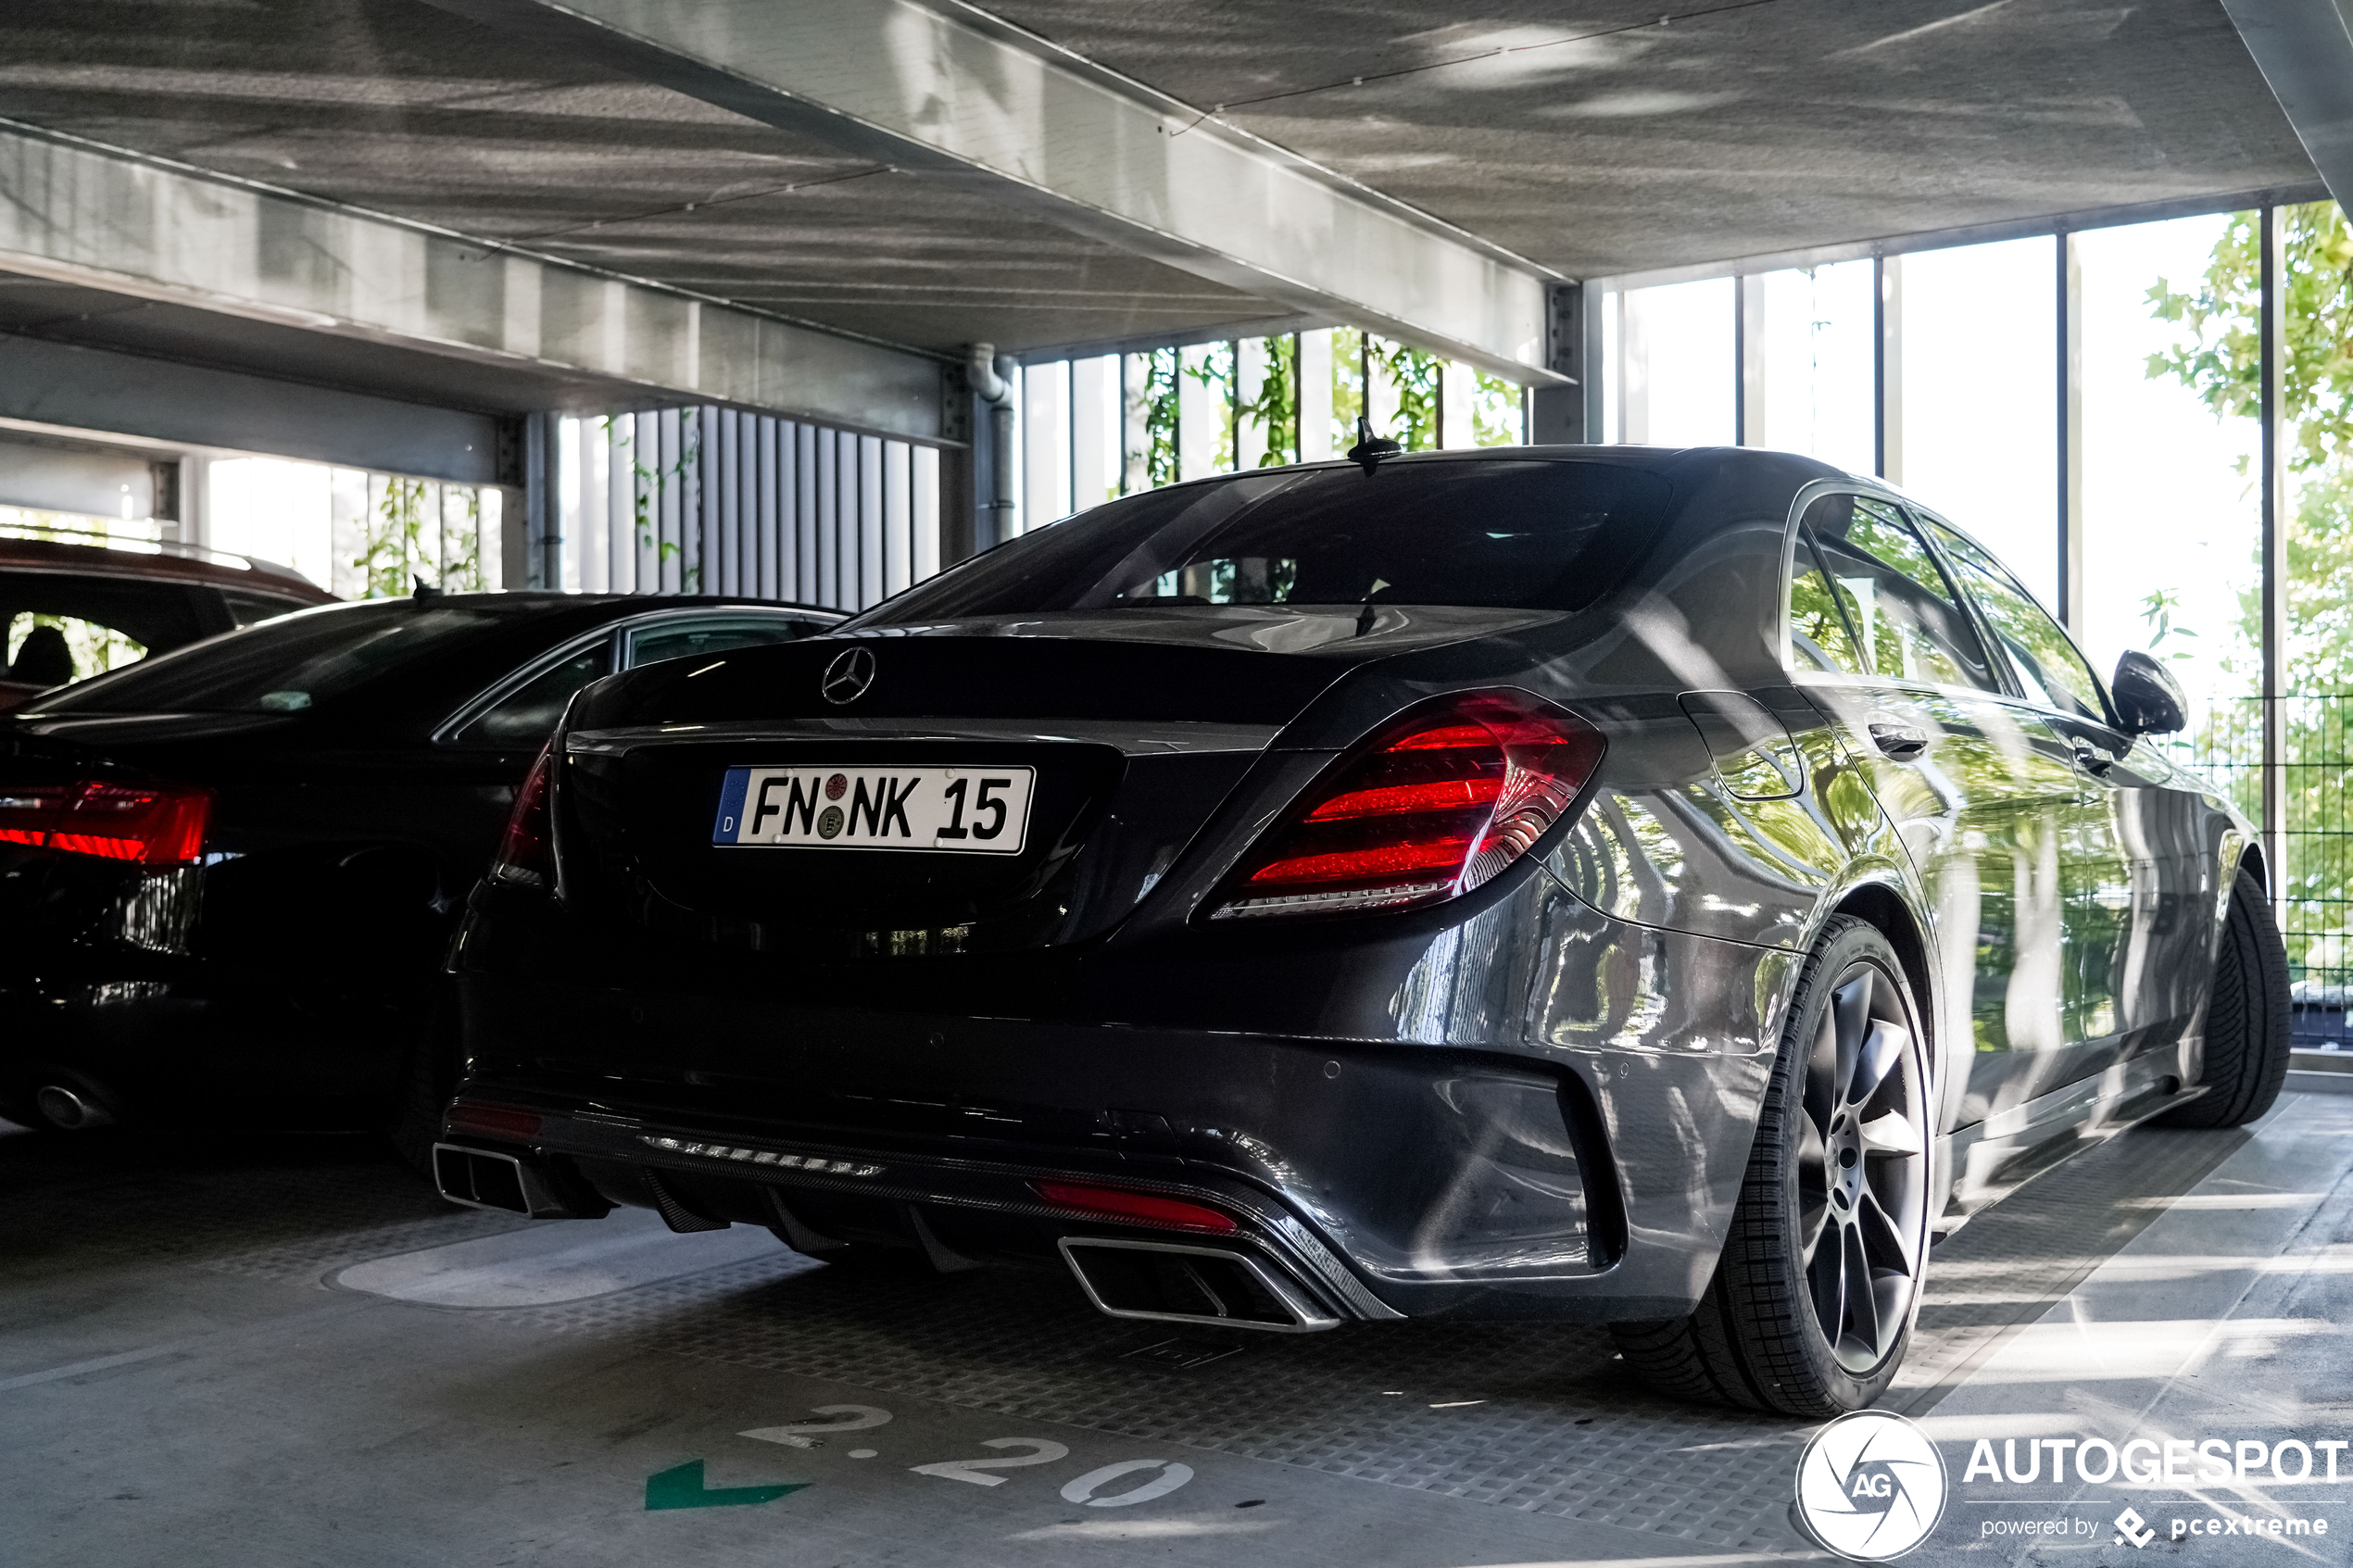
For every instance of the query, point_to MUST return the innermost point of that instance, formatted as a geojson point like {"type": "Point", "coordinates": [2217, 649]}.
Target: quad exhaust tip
{"type": "Point", "coordinates": [1168, 1282]}
{"type": "Point", "coordinates": [69, 1109]}
{"type": "Point", "coordinates": [480, 1178]}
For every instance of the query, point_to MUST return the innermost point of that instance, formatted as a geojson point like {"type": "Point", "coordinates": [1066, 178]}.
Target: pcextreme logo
{"type": "Point", "coordinates": [1870, 1487]}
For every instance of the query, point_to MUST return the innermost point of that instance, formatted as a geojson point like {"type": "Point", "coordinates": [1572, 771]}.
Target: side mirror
{"type": "Point", "coordinates": [2149, 700]}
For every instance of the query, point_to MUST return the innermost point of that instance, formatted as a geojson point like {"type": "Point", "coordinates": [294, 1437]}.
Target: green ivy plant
{"type": "Point", "coordinates": [1275, 411]}
{"type": "Point", "coordinates": [649, 485]}
{"type": "Point", "coordinates": [391, 540]}
{"type": "Point", "coordinates": [1415, 372]}
{"type": "Point", "coordinates": [1160, 418]}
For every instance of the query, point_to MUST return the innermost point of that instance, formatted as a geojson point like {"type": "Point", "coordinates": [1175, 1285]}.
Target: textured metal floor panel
{"type": "Point", "coordinates": [1536, 1418]}
{"type": "Point", "coordinates": [1526, 1417]}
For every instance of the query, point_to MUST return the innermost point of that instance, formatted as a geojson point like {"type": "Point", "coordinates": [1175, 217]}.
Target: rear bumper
{"type": "Point", "coordinates": [1584, 1167]}
{"type": "Point", "coordinates": [166, 1037]}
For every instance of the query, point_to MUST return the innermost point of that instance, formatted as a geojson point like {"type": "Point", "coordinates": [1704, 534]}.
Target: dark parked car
{"type": "Point", "coordinates": [228, 874]}
{"type": "Point", "coordinates": [71, 609]}
{"type": "Point", "coordinates": [1660, 888]}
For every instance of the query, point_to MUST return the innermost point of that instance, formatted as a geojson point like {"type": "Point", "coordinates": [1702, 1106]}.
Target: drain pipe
{"type": "Point", "coordinates": [990, 378]}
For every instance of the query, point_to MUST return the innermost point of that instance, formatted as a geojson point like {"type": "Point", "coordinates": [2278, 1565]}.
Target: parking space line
{"type": "Point", "coordinates": [75, 1369]}
{"type": "Point", "coordinates": [175, 1347]}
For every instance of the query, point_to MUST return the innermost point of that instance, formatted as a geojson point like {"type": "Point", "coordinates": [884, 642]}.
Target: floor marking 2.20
{"type": "Point", "coordinates": [1082, 1490]}
{"type": "Point", "coordinates": [807, 1435]}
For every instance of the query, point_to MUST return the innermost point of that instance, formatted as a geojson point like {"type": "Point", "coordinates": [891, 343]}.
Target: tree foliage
{"type": "Point", "coordinates": [2220, 358]}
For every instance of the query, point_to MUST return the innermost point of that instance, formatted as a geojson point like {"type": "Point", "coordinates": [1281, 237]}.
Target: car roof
{"type": "Point", "coordinates": [526, 601]}
{"type": "Point", "coordinates": [166, 562]}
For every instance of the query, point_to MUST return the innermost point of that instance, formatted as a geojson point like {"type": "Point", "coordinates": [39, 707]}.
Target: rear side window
{"type": "Point", "coordinates": [245, 608]}
{"type": "Point", "coordinates": [1912, 626]}
{"type": "Point", "coordinates": [2049, 667]}
{"type": "Point", "coordinates": [694, 638]}
{"type": "Point", "coordinates": [1516, 534]}
{"type": "Point", "coordinates": [1818, 639]}
{"type": "Point", "coordinates": [90, 622]}
{"type": "Point", "coordinates": [50, 650]}
{"type": "Point", "coordinates": [527, 715]}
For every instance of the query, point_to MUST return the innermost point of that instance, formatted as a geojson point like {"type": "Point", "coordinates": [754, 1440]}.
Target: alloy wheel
{"type": "Point", "coordinates": [1862, 1170]}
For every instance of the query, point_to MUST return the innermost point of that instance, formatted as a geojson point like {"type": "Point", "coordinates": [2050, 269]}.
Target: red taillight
{"type": "Point", "coordinates": [495, 1121]}
{"type": "Point", "coordinates": [526, 855]}
{"type": "Point", "coordinates": [1138, 1207]}
{"type": "Point", "coordinates": [1437, 804]}
{"type": "Point", "coordinates": [148, 824]}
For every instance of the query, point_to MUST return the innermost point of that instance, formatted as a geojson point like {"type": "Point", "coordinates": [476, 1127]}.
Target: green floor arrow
{"type": "Point", "coordinates": [683, 1487]}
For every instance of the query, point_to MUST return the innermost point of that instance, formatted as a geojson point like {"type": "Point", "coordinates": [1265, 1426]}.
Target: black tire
{"type": "Point", "coordinates": [1826, 1207]}
{"type": "Point", "coordinates": [2247, 1017]}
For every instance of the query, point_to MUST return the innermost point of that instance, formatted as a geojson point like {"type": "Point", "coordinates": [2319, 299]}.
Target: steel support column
{"type": "Point", "coordinates": [2069, 304]}
{"type": "Point", "coordinates": [1559, 412]}
{"type": "Point", "coordinates": [1887, 368]}
{"type": "Point", "coordinates": [2271, 221]}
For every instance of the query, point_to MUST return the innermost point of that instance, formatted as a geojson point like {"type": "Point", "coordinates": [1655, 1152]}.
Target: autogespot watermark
{"type": "Point", "coordinates": [2186, 1464]}
{"type": "Point", "coordinates": [1873, 1485]}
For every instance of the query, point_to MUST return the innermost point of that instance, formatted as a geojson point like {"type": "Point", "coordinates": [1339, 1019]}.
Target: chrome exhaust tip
{"type": "Point", "coordinates": [1168, 1282]}
{"type": "Point", "coordinates": [71, 1109]}
{"type": "Point", "coordinates": [482, 1178]}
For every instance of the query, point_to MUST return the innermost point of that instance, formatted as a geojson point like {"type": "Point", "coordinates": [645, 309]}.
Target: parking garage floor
{"type": "Point", "coordinates": [289, 1351]}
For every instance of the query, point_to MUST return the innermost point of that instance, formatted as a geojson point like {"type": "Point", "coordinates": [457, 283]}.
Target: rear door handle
{"type": "Point", "coordinates": [1900, 741]}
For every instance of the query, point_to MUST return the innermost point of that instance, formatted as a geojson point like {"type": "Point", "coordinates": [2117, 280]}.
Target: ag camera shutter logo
{"type": "Point", "coordinates": [1870, 1487]}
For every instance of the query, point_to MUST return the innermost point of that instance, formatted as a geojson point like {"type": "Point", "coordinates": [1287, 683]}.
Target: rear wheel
{"type": "Point", "coordinates": [1812, 1304]}
{"type": "Point", "coordinates": [2246, 1018]}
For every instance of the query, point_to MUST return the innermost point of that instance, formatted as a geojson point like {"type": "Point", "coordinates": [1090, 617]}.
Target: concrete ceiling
{"type": "Point", "coordinates": [1765, 126]}
{"type": "Point", "coordinates": [400, 108]}
{"type": "Point", "coordinates": [1772, 126]}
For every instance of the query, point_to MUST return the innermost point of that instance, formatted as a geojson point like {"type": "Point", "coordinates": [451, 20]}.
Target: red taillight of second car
{"type": "Point", "coordinates": [1436, 805]}
{"type": "Point", "coordinates": [528, 854]}
{"type": "Point", "coordinates": [148, 824]}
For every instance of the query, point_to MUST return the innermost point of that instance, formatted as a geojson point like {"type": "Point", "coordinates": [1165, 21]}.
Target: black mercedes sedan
{"type": "Point", "coordinates": [1650, 887]}
{"type": "Point", "coordinates": [228, 873]}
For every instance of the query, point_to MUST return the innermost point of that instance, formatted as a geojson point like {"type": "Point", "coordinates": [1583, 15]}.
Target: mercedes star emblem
{"type": "Point", "coordinates": [848, 676]}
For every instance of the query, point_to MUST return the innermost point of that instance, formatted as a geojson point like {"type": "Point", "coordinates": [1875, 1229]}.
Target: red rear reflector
{"type": "Point", "coordinates": [1138, 1208]}
{"type": "Point", "coordinates": [526, 855]}
{"type": "Point", "coordinates": [1431, 808]}
{"type": "Point", "coordinates": [497, 1121]}
{"type": "Point", "coordinates": [148, 824]}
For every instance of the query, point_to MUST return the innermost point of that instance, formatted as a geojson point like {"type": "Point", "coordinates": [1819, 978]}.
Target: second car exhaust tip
{"type": "Point", "coordinates": [71, 1109]}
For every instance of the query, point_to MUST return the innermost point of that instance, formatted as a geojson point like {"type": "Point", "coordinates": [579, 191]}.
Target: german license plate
{"type": "Point", "coordinates": [964, 810]}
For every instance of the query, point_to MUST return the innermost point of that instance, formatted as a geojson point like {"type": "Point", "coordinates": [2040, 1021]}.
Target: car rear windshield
{"type": "Point", "coordinates": [1523, 533]}
{"type": "Point", "coordinates": [285, 665]}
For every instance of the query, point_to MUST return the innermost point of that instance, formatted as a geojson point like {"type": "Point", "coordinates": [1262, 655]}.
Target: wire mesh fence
{"type": "Point", "coordinates": [2315, 883]}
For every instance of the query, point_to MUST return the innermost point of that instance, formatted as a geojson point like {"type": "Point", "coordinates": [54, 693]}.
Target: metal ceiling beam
{"type": "Point", "coordinates": [955, 92]}
{"type": "Point", "coordinates": [2305, 50]}
{"type": "Point", "coordinates": [76, 212]}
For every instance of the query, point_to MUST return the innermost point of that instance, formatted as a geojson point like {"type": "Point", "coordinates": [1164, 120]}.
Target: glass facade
{"type": "Point", "coordinates": [1808, 364]}
{"type": "Point", "coordinates": [1974, 419]}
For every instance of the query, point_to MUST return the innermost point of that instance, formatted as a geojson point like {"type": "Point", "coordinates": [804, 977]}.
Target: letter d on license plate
{"type": "Point", "coordinates": [964, 810]}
